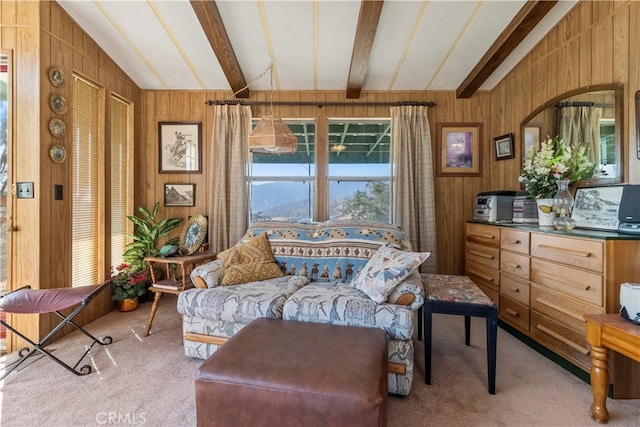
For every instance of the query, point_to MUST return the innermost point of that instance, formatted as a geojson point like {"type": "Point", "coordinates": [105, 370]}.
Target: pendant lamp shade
{"type": "Point", "coordinates": [272, 136]}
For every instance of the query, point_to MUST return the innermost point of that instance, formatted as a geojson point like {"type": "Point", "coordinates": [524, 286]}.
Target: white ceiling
{"type": "Point", "coordinates": [419, 45]}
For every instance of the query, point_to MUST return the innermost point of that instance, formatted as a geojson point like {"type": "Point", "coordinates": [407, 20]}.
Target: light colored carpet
{"type": "Point", "coordinates": [148, 381]}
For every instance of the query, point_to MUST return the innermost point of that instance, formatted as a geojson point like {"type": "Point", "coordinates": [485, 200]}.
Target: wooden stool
{"type": "Point", "coordinates": [449, 294]}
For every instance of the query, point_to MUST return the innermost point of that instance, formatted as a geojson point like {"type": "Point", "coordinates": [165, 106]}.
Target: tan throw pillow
{"type": "Point", "coordinates": [249, 262]}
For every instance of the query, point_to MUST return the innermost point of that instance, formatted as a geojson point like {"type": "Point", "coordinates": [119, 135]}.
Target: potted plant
{"type": "Point", "coordinates": [128, 286]}
{"type": "Point", "coordinates": [144, 241]}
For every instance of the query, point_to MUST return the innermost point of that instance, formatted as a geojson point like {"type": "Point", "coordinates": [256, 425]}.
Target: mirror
{"type": "Point", "coordinates": [590, 115]}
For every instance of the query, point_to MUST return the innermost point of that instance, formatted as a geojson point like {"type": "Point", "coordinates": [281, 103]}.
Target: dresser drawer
{"type": "Point", "coordinates": [580, 284]}
{"type": "Point", "coordinates": [580, 253]}
{"type": "Point", "coordinates": [491, 293]}
{"type": "Point", "coordinates": [515, 240]}
{"type": "Point", "coordinates": [566, 342]}
{"type": "Point", "coordinates": [516, 264]}
{"type": "Point", "coordinates": [486, 235]}
{"type": "Point", "coordinates": [515, 288]}
{"type": "Point", "coordinates": [564, 309]}
{"type": "Point", "coordinates": [483, 275]}
{"type": "Point", "coordinates": [514, 313]}
{"type": "Point", "coordinates": [483, 255]}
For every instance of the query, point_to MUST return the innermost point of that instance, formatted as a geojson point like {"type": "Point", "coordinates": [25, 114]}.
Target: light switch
{"type": "Point", "coordinates": [24, 190]}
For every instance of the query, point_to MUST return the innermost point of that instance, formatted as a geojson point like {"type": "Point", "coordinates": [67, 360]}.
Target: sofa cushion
{"type": "Point", "coordinates": [240, 303]}
{"type": "Point", "coordinates": [249, 262]}
{"type": "Point", "coordinates": [385, 270]}
{"type": "Point", "coordinates": [342, 304]}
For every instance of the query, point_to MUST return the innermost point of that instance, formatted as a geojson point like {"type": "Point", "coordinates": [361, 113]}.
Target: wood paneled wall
{"type": "Point", "coordinates": [595, 43]}
{"type": "Point", "coordinates": [40, 35]}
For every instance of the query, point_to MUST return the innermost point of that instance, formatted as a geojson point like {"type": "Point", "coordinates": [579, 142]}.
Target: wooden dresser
{"type": "Point", "coordinates": [544, 281]}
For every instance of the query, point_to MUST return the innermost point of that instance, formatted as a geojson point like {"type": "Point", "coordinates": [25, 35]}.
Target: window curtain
{"type": "Point", "coordinates": [412, 206]}
{"type": "Point", "coordinates": [581, 125]}
{"type": "Point", "coordinates": [229, 177]}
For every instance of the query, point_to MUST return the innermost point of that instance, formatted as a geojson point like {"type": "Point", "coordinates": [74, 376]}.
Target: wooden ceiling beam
{"type": "Point", "coordinates": [521, 25]}
{"type": "Point", "coordinates": [365, 34]}
{"type": "Point", "coordinates": [211, 22]}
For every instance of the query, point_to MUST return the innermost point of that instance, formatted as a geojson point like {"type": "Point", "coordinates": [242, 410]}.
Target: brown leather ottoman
{"type": "Point", "coordinates": [287, 373]}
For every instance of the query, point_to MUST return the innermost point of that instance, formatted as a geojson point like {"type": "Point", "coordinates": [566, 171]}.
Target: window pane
{"type": "Point", "coordinates": [283, 184]}
{"type": "Point", "coordinates": [359, 170]}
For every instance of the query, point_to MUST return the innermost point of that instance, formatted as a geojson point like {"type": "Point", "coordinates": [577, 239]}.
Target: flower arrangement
{"type": "Point", "coordinates": [555, 160]}
{"type": "Point", "coordinates": [128, 283]}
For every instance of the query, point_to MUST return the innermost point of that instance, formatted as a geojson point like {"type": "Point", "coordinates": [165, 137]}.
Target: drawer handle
{"type": "Point", "coordinates": [482, 236]}
{"type": "Point", "coordinates": [514, 242]}
{"type": "Point", "coordinates": [566, 251]}
{"type": "Point", "coordinates": [480, 275]}
{"type": "Point", "coordinates": [512, 265]}
{"type": "Point", "coordinates": [481, 254]}
{"type": "Point", "coordinates": [559, 308]}
{"type": "Point", "coordinates": [562, 339]}
{"type": "Point", "coordinates": [516, 290]}
{"type": "Point", "coordinates": [564, 281]}
{"type": "Point", "coordinates": [512, 312]}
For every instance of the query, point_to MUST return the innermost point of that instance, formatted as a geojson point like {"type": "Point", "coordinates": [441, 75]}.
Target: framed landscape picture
{"type": "Point", "coordinates": [458, 149]}
{"type": "Point", "coordinates": [597, 207]}
{"type": "Point", "coordinates": [180, 147]}
{"type": "Point", "coordinates": [179, 194]}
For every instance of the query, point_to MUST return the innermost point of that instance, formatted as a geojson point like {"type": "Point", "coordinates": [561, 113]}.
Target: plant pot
{"type": "Point", "coordinates": [128, 304]}
{"type": "Point", "coordinates": [546, 214]}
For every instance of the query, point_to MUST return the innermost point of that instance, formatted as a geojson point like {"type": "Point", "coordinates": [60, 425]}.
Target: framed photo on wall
{"type": "Point", "coordinates": [503, 147]}
{"type": "Point", "coordinates": [459, 149]}
{"type": "Point", "coordinates": [180, 147]}
{"type": "Point", "coordinates": [179, 194]}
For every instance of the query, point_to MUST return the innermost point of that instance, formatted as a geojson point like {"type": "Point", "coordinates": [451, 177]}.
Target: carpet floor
{"type": "Point", "coordinates": [149, 381]}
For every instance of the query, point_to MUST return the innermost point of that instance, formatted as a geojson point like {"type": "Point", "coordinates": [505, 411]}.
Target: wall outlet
{"type": "Point", "coordinates": [24, 190]}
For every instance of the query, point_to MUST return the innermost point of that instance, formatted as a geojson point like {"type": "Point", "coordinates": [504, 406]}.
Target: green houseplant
{"type": "Point", "coordinates": [148, 230]}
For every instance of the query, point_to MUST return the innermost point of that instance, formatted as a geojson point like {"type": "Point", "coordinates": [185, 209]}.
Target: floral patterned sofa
{"type": "Point", "coordinates": [328, 272]}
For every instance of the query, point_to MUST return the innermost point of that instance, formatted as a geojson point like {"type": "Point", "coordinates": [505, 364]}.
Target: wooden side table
{"type": "Point", "coordinates": [174, 286]}
{"type": "Point", "coordinates": [604, 332]}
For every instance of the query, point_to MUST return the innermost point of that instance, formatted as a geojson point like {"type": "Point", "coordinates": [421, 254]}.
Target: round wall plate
{"type": "Point", "coordinates": [58, 103]}
{"type": "Point", "coordinates": [57, 127]}
{"type": "Point", "coordinates": [193, 234]}
{"type": "Point", "coordinates": [56, 76]}
{"type": "Point", "coordinates": [57, 153]}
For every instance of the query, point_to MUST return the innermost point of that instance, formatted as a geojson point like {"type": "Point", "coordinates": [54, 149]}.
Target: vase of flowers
{"type": "Point", "coordinates": [542, 170]}
{"type": "Point", "coordinates": [128, 285]}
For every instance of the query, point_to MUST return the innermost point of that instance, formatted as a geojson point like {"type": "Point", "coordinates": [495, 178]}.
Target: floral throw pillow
{"type": "Point", "coordinates": [385, 270]}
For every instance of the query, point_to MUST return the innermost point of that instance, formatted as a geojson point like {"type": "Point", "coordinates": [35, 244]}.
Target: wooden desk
{"type": "Point", "coordinates": [608, 332]}
{"type": "Point", "coordinates": [183, 262]}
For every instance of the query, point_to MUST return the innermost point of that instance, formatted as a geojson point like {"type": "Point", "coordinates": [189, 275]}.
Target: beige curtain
{"type": "Point", "coordinates": [581, 125]}
{"type": "Point", "coordinates": [412, 206]}
{"type": "Point", "coordinates": [229, 177]}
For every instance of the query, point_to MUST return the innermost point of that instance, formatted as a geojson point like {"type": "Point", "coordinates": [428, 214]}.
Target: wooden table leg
{"type": "Point", "coordinates": [599, 383]}
{"type": "Point", "coordinates": [154, 308]}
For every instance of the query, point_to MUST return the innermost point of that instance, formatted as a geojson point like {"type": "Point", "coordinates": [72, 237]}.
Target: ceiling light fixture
{"type": "Point", "coordinates": [338, 148]}
{"type": "Point", "coordinates": [272, 135]}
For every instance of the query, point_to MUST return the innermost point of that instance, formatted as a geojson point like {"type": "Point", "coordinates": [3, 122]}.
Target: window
{"type": "Point", "coordinates": [86, 246]}
{"type": "Point", "coordinates": [350, 180]}
{"type": "Point", "coordinates": [120, 150]}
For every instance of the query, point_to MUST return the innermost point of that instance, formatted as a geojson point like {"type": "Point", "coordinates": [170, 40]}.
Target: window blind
{"type": "Point", "coordinates": [86, 242]}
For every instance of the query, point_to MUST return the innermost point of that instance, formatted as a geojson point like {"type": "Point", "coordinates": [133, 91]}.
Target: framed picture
{"type": "Point", "coordinates": [597, 207]}
{"type": "Point", "coordinates": [458, 149]}
{"type": "Point", "coordinates": [531, 138]}
{"type": "Point", "coordinates": [180, 147]}
{"type": "Point", "coordinates": [503, 147]}
{"type": "Point", "coordinates": [179, 194]}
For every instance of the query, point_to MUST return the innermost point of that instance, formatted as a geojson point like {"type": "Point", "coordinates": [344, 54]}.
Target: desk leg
{"type": "Point", "coordinates": [492, 340]}
{"type": "Point", "coordinates": [599, 383]}
{"type": "Point", "coordinates": [428, 319]}
{"type": "Point", "coordinates": [154, 308]}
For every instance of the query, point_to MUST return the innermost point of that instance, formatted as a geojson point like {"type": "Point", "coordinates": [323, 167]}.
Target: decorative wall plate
{"type": "Point", "coordinates": [193, 234]}
{"type": "Point", "coordinates": [56, 76]}
{"type": "Point", "coordinates": [57, 127]}
{"type": "Point", "coordinates": [57, 153]}
{"type": "Point", "coordinates": [58, 103]}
